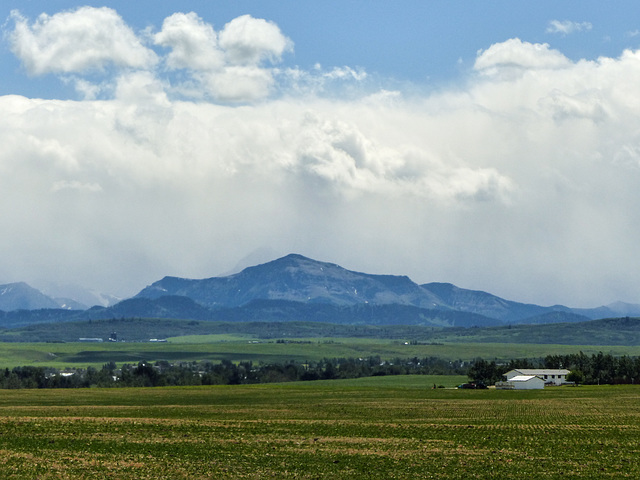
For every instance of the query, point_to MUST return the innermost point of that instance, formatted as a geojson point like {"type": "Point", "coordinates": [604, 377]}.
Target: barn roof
{"type": "Point", "coordinates": [522, 378]}
{"type": "Point", "coordinates": [542, 371]}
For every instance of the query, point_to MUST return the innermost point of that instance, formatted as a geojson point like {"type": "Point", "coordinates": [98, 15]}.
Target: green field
{"type": "Point", "coordinates": [373, 428]}
{"type": "Point", "coordinates": [61, 355]}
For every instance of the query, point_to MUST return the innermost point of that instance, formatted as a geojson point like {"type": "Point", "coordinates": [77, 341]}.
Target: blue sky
{"type": "Point", "coordinates": [494, 145]}
{"type": "Point", "coordinates": [425, 43]}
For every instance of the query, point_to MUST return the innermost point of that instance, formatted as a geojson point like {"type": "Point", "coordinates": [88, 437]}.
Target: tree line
{"type": "Point", "coordinates": [585, 369]}
{"type": "Point", "coordinates": [163, 373]}
{"type": "Point", "coordinates": [595, 369]}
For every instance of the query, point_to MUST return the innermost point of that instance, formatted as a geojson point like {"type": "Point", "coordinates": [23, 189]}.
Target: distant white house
{"type": "Point", "coordinates": [521, 382]}
{"type": "Point", "coordinates": [550, 376]}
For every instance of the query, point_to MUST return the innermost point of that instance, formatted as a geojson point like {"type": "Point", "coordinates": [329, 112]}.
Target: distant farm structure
{"type": "Point", "coordinates": [533, 378]}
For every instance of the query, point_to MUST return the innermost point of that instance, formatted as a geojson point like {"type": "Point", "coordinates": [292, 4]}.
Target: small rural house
{"type": "Point", "coordinates": [521, 382]}
{"type": "Point", "coordinates": [550, 376]}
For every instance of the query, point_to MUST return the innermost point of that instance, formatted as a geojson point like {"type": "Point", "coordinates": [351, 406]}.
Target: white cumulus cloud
{"type": "Point", "coordinates": [187, 56]}
{"type": "Point", "coordinates": [249, 41]}
{"type": "Point", "coordinates": [77, 41]}
{"type": "Point", "coordinates": [193, 43]}
{"type": "Point", "coordinates": [515, 53]}
{"type": "Point", "coordinates": [227, 66]}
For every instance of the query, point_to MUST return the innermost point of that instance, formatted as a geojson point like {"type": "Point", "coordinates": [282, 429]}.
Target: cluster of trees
{"type": "Point", "coordinates": [596, 369]}
{"type": "Point", "coordinates": [224, 373]}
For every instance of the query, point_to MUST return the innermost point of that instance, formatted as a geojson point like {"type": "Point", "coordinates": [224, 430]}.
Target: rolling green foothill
{"type": "Point", "coordinates": [81, 354]}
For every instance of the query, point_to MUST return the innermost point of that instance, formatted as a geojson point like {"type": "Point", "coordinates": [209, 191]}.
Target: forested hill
{"type": "Point", "coordinates": [607, 332]}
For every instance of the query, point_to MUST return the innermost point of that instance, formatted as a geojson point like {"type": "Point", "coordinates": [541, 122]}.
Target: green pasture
{"type": "Point", "coordinates": [373, 428]}
{"type": "Point", "coordinates": [61, 355]}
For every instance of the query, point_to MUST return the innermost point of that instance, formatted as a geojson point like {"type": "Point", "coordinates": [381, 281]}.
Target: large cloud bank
{"type": "Point", "coordinates": [523, 182]}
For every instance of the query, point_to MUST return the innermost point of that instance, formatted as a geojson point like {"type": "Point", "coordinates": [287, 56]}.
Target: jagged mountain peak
{"type": "Point", "coordinates": [295, 277]}
{"type": "Point", "coordinates": [296, 264]}
{"type": "Point", "coordinates": [291, 261]}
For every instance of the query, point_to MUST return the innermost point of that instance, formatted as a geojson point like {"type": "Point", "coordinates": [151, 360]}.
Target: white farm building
{"type": "Point", "coordinates": [549, 375]}
{"type": "Point", "coordinates": [533, 378]}
{"type": "Point", "coordinates": [521, 382]}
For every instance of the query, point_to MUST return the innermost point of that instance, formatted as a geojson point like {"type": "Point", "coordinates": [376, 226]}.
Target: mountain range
{"type": "Point", "coordinates": [298, 288]}
{"type": "Point", "coordinates": [21, 296]}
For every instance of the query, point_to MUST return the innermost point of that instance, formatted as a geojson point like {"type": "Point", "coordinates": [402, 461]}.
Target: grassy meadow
{"type": "Point", "coordinates": [62, 355]}
{"type": "Point", "coordinates": [370, 428]}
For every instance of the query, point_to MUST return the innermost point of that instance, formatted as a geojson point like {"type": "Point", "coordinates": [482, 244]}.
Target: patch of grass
{"type": "Point", "coordinates": [212, 338]}
{"type": "Point", "coordinates": [390, 427]}
{"type": "Point", "coordinates": [61, 355]}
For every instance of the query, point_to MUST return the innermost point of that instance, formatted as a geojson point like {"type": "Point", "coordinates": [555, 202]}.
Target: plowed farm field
{"type": "Point", "coordinates": [390, 428]}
